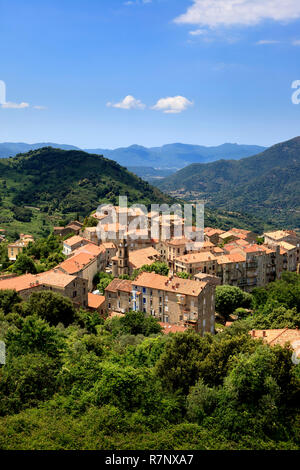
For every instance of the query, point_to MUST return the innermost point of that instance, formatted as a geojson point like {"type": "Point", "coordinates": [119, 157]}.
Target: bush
{"type": "Point", "coordinates": [229, 298]}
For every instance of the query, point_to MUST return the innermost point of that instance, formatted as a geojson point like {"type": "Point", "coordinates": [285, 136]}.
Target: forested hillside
{"type": "Point", "coordinates": [265, 185]}
{"type": "Point", "coordinates": [73, 380]}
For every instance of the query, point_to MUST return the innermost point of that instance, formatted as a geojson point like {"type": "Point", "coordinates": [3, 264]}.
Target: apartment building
{"type": "Point", "coordinates": [193, 263]}
{"type": "Point", "coordinates": [176, 301]}
{"type": "Point", "coordinates": [118, 296]}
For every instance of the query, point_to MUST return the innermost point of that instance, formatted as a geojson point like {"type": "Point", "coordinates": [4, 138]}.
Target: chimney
{"type": "Point", "coordinates": [264, 334]}
{"type": "Point", "coordinates": [253, 333]}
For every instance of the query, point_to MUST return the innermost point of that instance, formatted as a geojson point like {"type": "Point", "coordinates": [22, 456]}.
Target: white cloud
{"type": "Point", "coordinates": [136, 2]}
{"type": "Point", "coordinates": [129, 102]}
{"type": "Point", "coordinates": [214, 13]}
{"type": "Point", "coordinates": [198, 32]}
{"type": "Point", "coordinates": [172, 105]}
{"type": "Point", "coordinates": [296, 43]}
{"type": "Point", "coordinates": [10, 105]}
{"type": "Point", "coordinates": [40, 108]}
{"type": "Point", "coordinates": [267, 41]}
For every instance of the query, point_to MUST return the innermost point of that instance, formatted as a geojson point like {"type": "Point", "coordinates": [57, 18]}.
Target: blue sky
{"type": "Point", "coordinates": [193, 71]}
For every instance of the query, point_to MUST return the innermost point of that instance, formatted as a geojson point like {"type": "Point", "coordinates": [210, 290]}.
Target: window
{"type": "Point", "coordinates": [144, 290]}
{"type": "Point", "coordinates": [144, 300]}
{"type": "Point", "coordinates": [74, 294]}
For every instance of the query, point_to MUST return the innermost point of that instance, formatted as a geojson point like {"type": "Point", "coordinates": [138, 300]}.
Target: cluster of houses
{"type": "Point", "coordinates": [231, 257]}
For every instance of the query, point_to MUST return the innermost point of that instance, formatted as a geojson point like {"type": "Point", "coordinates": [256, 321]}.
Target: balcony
{"type": "Point", "coordinates": [252, 265]}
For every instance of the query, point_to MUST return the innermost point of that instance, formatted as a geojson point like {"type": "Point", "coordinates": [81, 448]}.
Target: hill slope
{"type": "Point", "coordinates": [266, 185]}
{"type": "Point", "coordinates": [58, 182]}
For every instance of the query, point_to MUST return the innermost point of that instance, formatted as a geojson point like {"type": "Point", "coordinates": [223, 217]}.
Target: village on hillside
{"type": "Point", "coordinates": [185, 298]}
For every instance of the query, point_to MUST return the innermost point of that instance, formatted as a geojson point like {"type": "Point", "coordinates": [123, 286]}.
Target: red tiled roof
{"type": "Point", "coordinates": [19, 283]}
{"type": "Point", "coordinates": [76, 263]}
{"type": "Point", "coordinates": [123, 285]}
{"type": "Point", "coordinates": [170, 284]}
{"type": "Point", "coordinates": [91, 249]}
{"type": "Point", "coordinates": [167, 328]}
{"type": "Point", "coordinates": [95, 301]}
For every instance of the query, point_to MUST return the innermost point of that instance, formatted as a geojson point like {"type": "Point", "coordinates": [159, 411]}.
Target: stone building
{"type": "Point", "coordinates": [194, 263]}
{"type": "Point", "coordinates": [69, 286]}
{"type": "Point", "coordinates": [176, 301]}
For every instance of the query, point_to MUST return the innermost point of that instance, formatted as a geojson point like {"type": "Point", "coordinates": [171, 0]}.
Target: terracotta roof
{"type": "Point", "coordinates": [277, 235]}
{"type": "Point", "coordinates": [287, 246]}
{"type": "Point", "coordinates": [254, 248]}
{"type": "Point", "coordinates": [108, 245]}
{"type": "Point", "coordinates": [197, 257]}
{"type": "Point", "coordinates": [91, 249]}
{"type": "Point", "coordinates": [240, 230]}
{"type": "Point", "coordinates": [76, 263]}
{"type": "Point", "coordinates": [223, 259]}
{"type": "Point", "coordinates": [28, 281]}
{"type": "Point", "coordinates": [237, 257]}
{"type": "Point", "coordinates": [279, 336]}
{"type": "Point", "coordinates": [75, 240]}
{"type": "Point", "coordinates": [19, 283]}
{"type": "Point", "coordinates": [95, 301]}
{"type": "Point", "coordinates": [55, 278]}
{"type": "Point", "coordinates": [170, 284]}
{"type": "Point", "coordinates": [178, 241]}
{"type": "Point", "coordinates": [217, 249]}
{"type": "Point", "coordinates": [119, 284]}
{"type": "Point", "coordinates": [167, 328]}
{"type": "Point", "coordinates": [213, 231]}
{"type": "Point", "coordinates": [241, 242]}
{"type": "Point", "coordinates": [228, 234]}
{"type": "Point", "coordinates": [139, 258]}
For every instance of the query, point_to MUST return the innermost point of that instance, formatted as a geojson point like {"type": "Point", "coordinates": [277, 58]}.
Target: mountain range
{"type": "Point", "coordinates": [265, 185]}
{"type": "Point", "coordinates": [171, 156]}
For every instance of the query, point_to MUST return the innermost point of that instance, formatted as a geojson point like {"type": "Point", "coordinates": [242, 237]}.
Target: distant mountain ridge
{"type": "Point", "coordinates": [265, 185]}
{"type": "Point", "coordinates": [11, 149]}
{"type": "Point", "coordinates": [176, 156]}
{"type": "Point", "coordinates": [170, 156]}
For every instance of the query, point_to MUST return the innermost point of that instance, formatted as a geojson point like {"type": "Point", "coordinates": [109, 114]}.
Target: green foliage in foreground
{"type": "Point", "coordinates": [86, 383]}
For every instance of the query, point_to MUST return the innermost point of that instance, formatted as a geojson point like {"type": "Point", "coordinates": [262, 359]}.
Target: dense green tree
{"type": "Point", "coordinates": [138, 323]}
{"type": "Point", "coordinates": [24, 264]}
{"type": "Point", "coordinates": [229, 298]}
{"type": "Point", "coordinates": [179, 365]}
{"type": "Point", "coordinates": [35, 336]}
{"type": "Point", "coordinates": [52, 307]}
{"type": "Point", "coordinates": [25, 381]}
{"type": "Point", "coordinates": [8, 298]}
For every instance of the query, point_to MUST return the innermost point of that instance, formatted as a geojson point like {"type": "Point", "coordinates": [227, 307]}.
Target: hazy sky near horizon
{"type": "Point", "coordinates": [111, 73]}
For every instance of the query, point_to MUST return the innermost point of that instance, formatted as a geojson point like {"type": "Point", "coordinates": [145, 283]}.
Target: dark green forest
{"type": "Point", "coordinates": [265, 185]}
{"type": "Point", "coordinates": [73, 380]}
